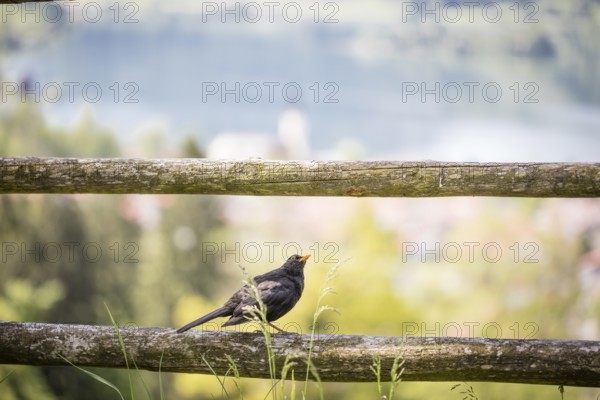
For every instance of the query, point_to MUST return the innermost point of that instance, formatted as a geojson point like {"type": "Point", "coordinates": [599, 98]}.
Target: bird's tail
{"type": "Point", "coordinates": [219, 312]}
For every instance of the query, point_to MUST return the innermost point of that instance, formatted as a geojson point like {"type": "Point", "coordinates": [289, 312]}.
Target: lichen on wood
{"type": "Point", "coordinates": [298, 178]}
{"type": "Point", "coordinates": [339, 358]}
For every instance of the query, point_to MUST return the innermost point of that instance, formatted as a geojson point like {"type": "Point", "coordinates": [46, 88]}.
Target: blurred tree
{"type": "Point", "coordinates": [62, 268]}
{"type": "Point", "coordinates": [191, 149]}
{"type": "Point", "coordinates": [93, 250]}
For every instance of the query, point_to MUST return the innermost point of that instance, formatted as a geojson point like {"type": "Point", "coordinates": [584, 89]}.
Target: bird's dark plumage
{"type": "Point", "coordinates": [280, 290]}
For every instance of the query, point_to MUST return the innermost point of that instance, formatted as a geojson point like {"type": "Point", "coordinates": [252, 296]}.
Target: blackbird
{"type": "Point", "coordinates": [280, 290]}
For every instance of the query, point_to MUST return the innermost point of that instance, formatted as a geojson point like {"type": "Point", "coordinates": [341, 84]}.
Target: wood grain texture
{"type": "Point", "coordinates": [298, 178]}
{"type": "Point", "coordinates": [339, 358]}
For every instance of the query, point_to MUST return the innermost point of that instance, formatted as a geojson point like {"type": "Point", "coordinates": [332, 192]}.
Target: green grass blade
{"type": "Point", "coordinates": [142, 380]}
{"type": "Point", "coordinates": [376, 368]}
{"type": "Point", "coordinates": [315, 373]}
{"type": "Point", "coordinates": [160, 384]}
{"type": "Point", "coordinates": [236, 374]}
{"type": "Point", "coordinates": [122, 344]}
{"type": "Point", "coordinates": [323, 292]}
{"type": "Point", "coordinates": [396, 375]}
{"type": "Point", "coordinates": [293, 390]}
{"type": "Point", "coordinates": [7, 375]}
{"type": "Point", "coordinates": [287, 365]}
{"type": "Point", "coordinates": [260, 313]}
{"type": "Point", "coordinates": [216, 376]}
{"type": "Point", "coordinates": [97, 378]}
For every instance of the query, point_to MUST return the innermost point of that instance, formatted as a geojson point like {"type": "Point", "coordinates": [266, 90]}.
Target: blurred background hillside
{"type": "Point", "coordinates": [429, 267]}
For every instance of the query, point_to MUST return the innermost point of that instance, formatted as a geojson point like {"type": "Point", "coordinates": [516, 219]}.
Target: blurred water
{"type": "Point", "coordinates": [167, 68]}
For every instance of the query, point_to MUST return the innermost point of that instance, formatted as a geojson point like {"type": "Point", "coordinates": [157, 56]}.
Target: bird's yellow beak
{"type": "Point", "coordinates": [306, 257]}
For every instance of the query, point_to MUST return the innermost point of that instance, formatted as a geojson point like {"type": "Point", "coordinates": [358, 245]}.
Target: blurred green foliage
{"type": "Point", "coordinates": [64, 256]}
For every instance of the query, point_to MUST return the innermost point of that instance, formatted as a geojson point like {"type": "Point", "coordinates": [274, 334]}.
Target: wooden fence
{"type": "Point", "coordinates": [339, 358]}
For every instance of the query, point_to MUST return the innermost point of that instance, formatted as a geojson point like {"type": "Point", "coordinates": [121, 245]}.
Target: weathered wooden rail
{"type": "Point", "coordinates": [298, 178]}
{"type": "Point", "coordinates": [340, 358]}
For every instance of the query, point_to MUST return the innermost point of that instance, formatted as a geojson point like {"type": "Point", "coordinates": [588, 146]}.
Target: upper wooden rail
{"type": "Point", "coordinates": [298, 178]}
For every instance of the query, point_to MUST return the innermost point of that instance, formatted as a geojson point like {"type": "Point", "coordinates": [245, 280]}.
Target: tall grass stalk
{"type": "Point", "coordinates": [236, 375]}
{"type": "Point", "coordinates": [221, 382]}
{"type": "Point", "coordinates": [467, 391]}
{"type": "Point", "coordinates": [6, 376]}
{"type": "Point", "coordinates": [139, 373]}
{"type": "Point", "coordinates": [96, 377]}
{"type": "Point", "coordinates": [376, 368]}
{"type": "Point", "coordinates": [288, 365]}
{"type": "Point", "coordinates": [160, 384]}
{"type": "Point", "coordinates": [259, 313]}
{"type": "Point", "coordinates": [122, 345]}
{"type": "Point", "coordinates": [395, 375]}
{"type": "Point", "coordinates": [323, 292]}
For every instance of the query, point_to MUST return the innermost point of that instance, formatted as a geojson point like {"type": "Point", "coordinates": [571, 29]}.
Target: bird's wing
{"type": "Point", "coordinates": [275, 292]}
{"type": "Point", "coordinates": [280, 299]}
{"type": "Point", "coordinates": [271, 292]}
{"type": "Point", "coordinates": [268, 276]}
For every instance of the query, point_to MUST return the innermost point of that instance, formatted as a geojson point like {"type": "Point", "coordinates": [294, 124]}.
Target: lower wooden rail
{"type": "Point", "coordinates": [340, 358]}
